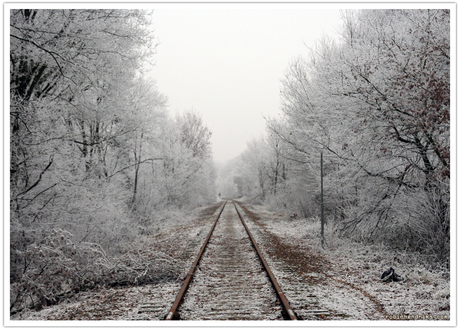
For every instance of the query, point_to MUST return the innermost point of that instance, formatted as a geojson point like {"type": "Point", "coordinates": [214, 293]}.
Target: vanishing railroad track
{"type": "Point", "coordinates": [230, 279]}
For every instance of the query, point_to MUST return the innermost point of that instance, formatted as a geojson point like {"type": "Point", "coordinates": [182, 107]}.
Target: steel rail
{"type": "Point", "coordinates": [273, 280]}
{"type": "Point", "coordinates": [173, 311]}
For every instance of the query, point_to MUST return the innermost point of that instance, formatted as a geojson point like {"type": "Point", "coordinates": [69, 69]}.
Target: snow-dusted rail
{"type": "Point", "coordinates": [172, 314]}
{"type": "Point", "coordinates": [276, 286]}
{"type": "Point", "coordinates": [230, 280]}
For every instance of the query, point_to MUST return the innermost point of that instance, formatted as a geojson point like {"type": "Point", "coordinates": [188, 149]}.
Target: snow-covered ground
{"type": "Point", "coordinates": [344, 277]}
{"type": "Point", "coordinates": [173, 243]}
{"type": "Point", "coordinates": [339, 282]}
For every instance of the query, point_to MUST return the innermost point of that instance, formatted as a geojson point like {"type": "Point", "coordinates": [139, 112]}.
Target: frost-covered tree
{"type": "Point", "coordinates": [94, 155]}
{"type": "Point", "coordinates": [181, 173]}
{"type": "Point", "coordinates": [73, 118]}
{"type": "Point", "coordinates": [377, 104]}
{"type": "Point", "coordinates": [187, 166]}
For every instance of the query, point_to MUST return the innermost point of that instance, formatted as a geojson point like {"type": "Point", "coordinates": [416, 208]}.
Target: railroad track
{"type": "Point", "coordinates": [230, 279]}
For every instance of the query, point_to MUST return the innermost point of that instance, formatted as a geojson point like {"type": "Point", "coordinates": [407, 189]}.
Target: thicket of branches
{"type": "Point", "coordinates": [95, 158]}
{"type": "Point", "coordinates": [376, 103]}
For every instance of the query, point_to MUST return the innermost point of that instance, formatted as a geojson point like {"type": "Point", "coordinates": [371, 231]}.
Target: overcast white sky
{"type": "Point", "coordinates": [226, 62]}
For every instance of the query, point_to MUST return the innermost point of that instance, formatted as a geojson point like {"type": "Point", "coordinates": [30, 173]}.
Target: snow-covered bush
{"type": "Point", "coordinates": [56, 265]}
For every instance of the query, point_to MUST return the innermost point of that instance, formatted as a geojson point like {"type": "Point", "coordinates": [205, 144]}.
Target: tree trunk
{"type": "Point", "coordinates": [137, 159]}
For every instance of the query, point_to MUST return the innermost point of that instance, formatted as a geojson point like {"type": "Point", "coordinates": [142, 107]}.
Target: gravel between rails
{"type": "Point", "coordinates": [230, 282]}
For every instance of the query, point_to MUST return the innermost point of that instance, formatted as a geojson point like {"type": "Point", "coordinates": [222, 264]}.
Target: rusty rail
{"type": "Point", "coordinates": [173, 311]}
{"type": "Point", "coordinates": [273, 280]}
{"type": "Point", "coordinates": [172, 314]}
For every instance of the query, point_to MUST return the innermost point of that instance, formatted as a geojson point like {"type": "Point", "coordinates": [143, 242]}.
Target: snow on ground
{"type": "Point", "coordinates": [348, 276]}
{"type": "Point", "coordinates": [109, 304]}
{"type": "Point", "coordinates": [340, 282]}
{"type": "Point", "coordinates": [174, 241]}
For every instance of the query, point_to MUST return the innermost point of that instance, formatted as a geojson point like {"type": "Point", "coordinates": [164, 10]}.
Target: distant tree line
{"type": "Point", "coordinates": [376, 104]}
{"type": "Point", "coordinates": [95, 157]}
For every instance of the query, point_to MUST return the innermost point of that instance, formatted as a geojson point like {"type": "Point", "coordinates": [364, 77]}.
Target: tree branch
{"type": "Point", "coordinates": [39, 178]}
{"type": "Point", "coordinates": [135, 164]}
{"type": "Point", "coordinates": [51, 53]}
